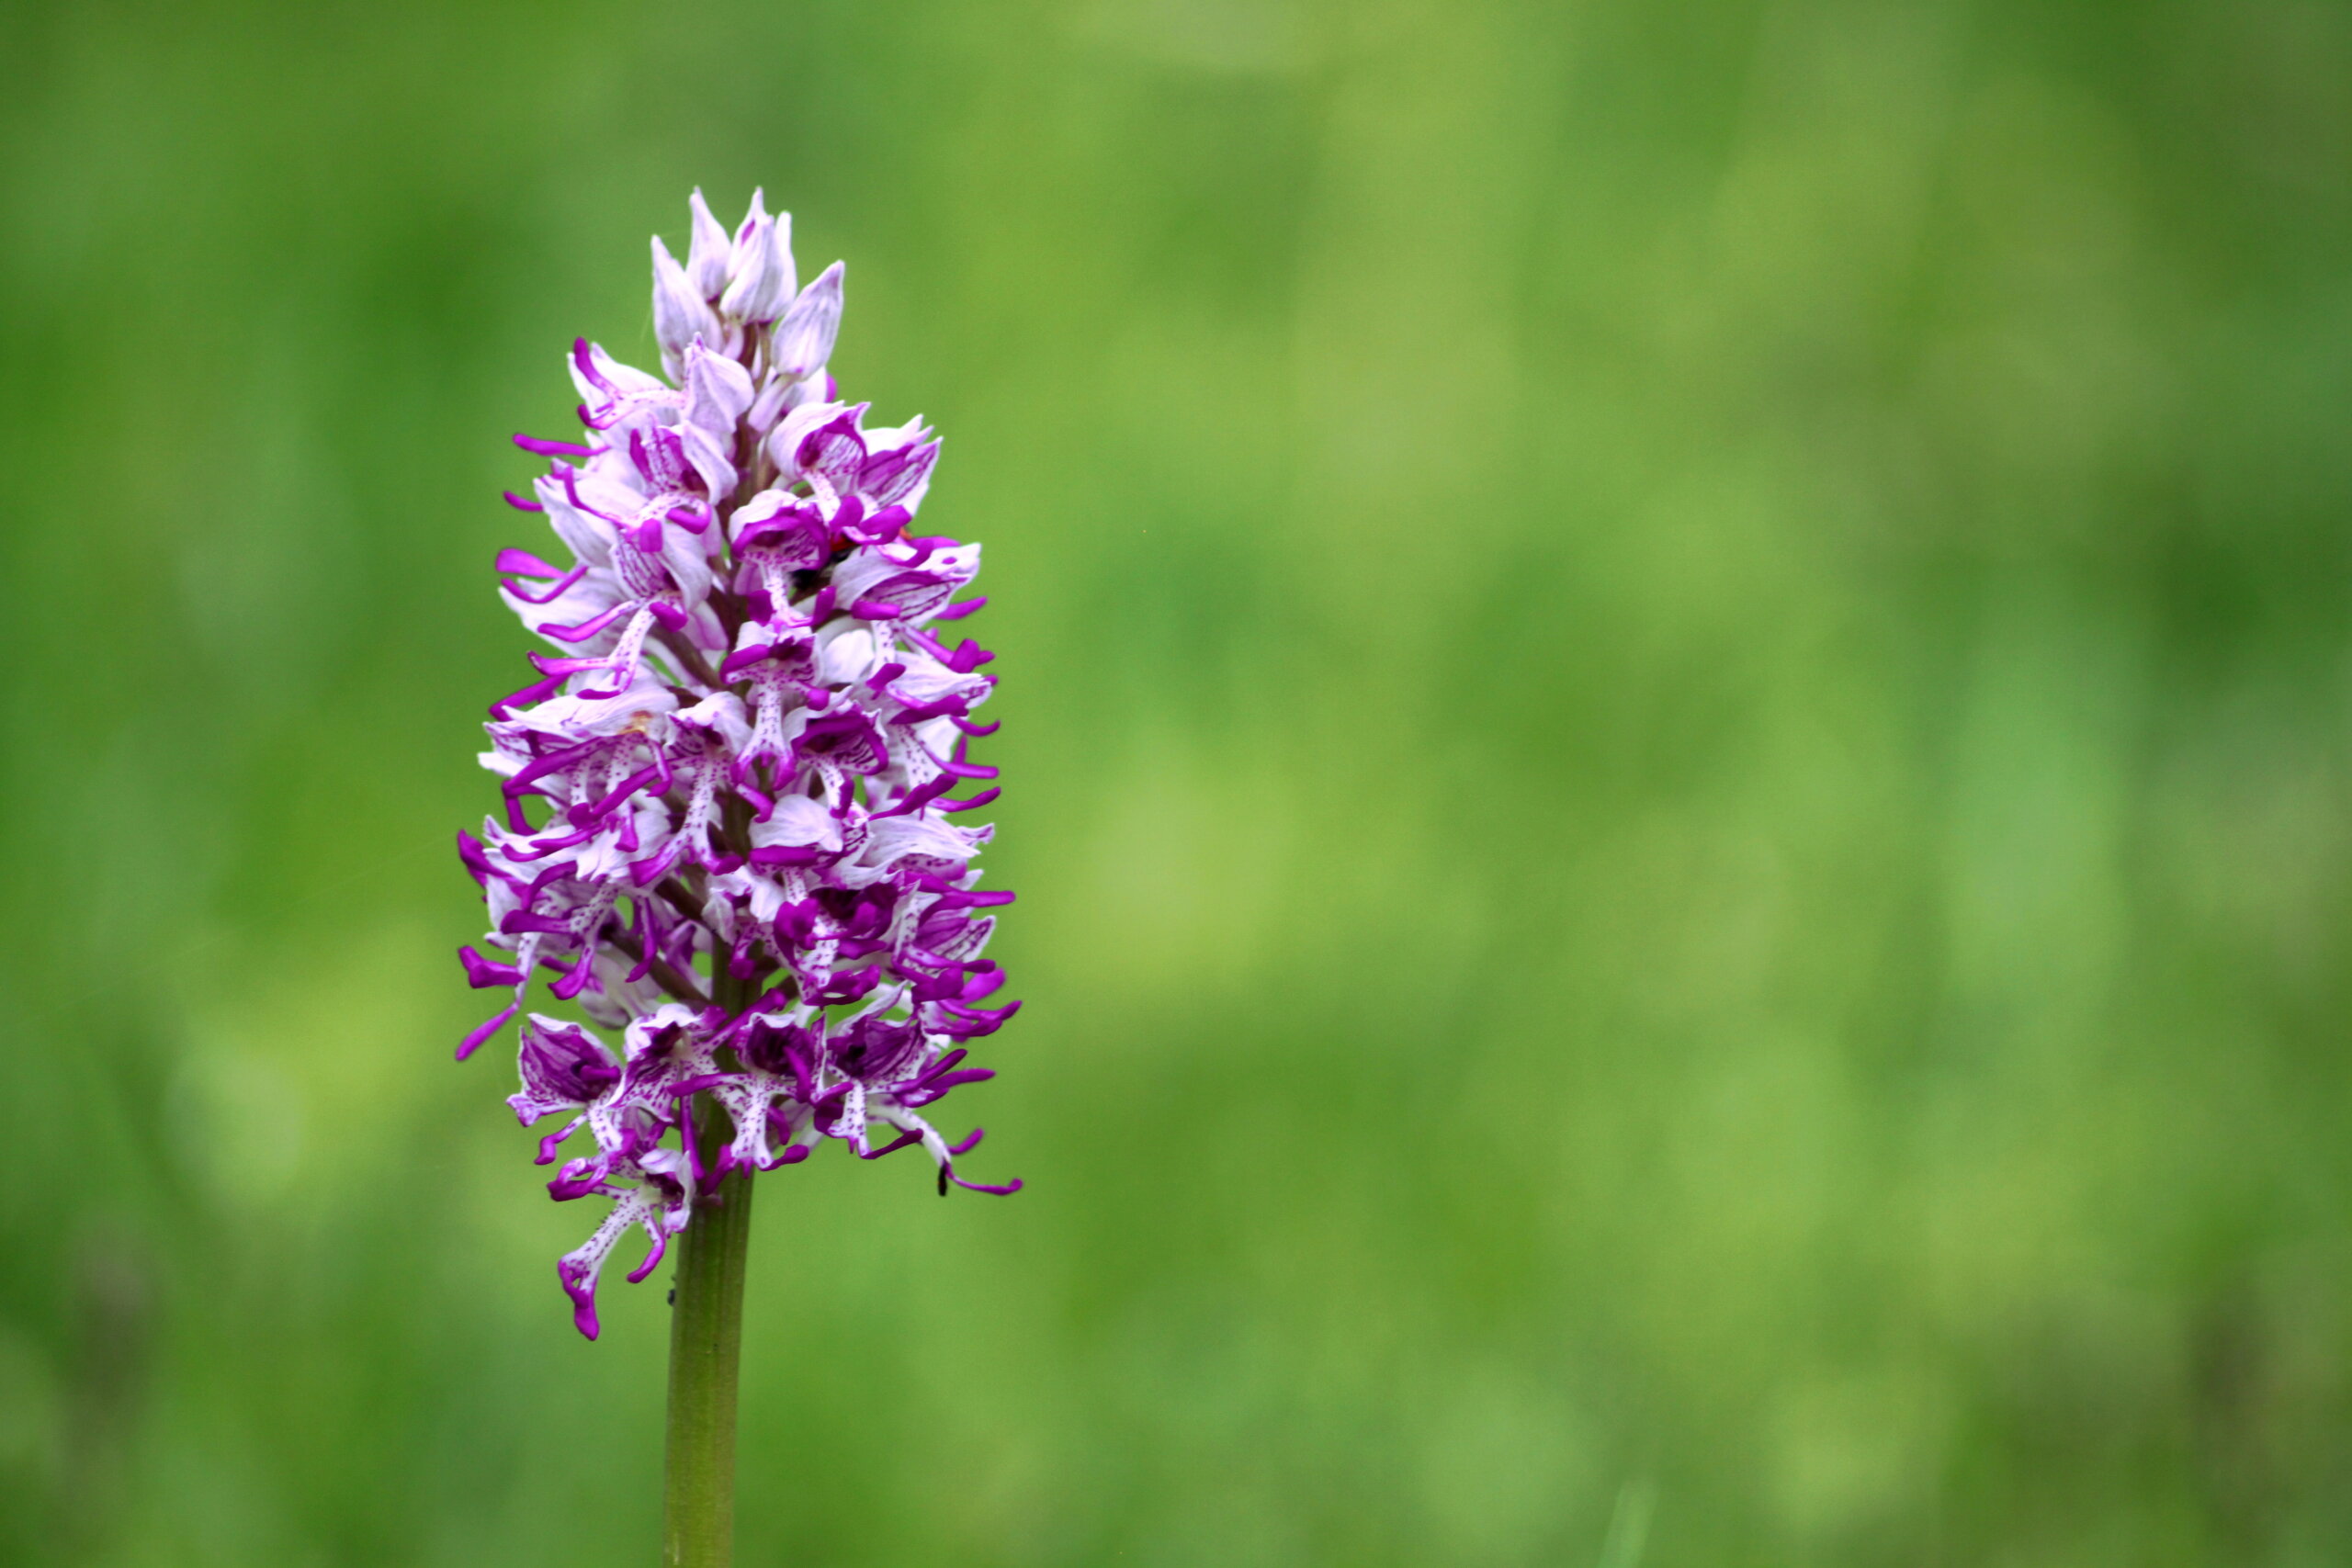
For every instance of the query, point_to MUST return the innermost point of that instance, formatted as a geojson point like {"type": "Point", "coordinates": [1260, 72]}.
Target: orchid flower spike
{"type": "Point", "coordinates": [728, 832]}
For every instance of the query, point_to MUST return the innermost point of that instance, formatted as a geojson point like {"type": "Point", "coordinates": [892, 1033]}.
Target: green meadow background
{"type": "Point", "coordinates": [1678, 678]}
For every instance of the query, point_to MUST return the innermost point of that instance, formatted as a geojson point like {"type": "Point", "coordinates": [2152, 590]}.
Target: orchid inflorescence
{"type": "Point", "coordinates": [740, 757]}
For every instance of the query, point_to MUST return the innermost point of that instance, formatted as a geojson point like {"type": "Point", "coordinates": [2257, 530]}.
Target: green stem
{"type": "Point", "coordinates": [706, 1339]}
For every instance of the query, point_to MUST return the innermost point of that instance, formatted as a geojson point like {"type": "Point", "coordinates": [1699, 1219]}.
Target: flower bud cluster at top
{"type": "Point", "coordinates": [728, 819]}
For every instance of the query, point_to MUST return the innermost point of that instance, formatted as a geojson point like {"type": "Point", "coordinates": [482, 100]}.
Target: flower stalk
{"type": "Point", "coordinates": [706, 1347]}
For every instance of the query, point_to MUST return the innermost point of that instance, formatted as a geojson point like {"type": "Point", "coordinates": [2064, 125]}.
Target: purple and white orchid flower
{"type": "Point", "coordinates": [725, 826]}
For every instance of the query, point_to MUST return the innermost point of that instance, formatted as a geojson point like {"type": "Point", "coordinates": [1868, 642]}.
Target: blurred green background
{"type": "Point", "coordinates": [1678, 677]}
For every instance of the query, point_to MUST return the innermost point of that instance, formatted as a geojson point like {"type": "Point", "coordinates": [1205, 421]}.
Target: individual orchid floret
{"type": "Point", "coordinates": [726, 826]}
{"type": "Point", "coordinates": [760, 278]}
{"type": "Point", "coordinates": [655, 1193]}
